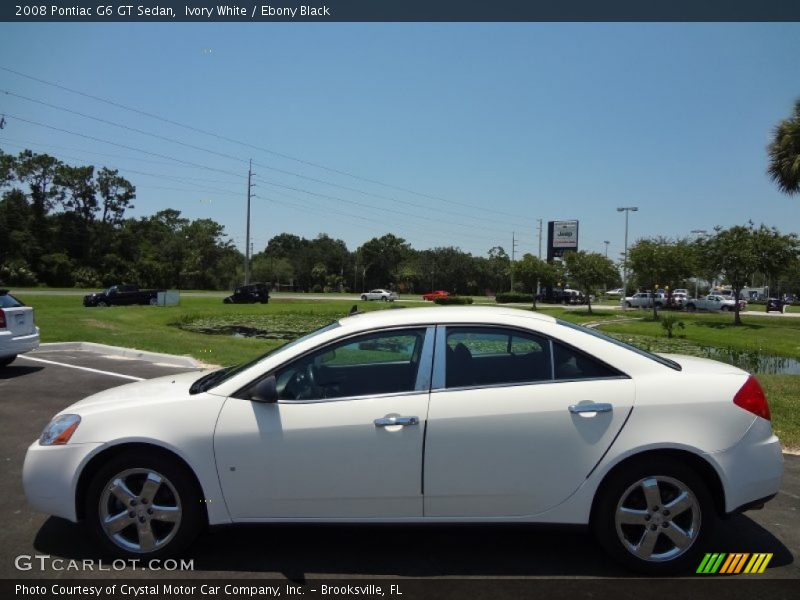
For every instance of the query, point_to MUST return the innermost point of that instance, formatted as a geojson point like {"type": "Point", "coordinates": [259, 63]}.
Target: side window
{"type": "Point", "coordinates": [378, 363]}
{"type": "Point", "coordinates": [572, 364]}
{"type": "Point", "coordinates": [488, 356]}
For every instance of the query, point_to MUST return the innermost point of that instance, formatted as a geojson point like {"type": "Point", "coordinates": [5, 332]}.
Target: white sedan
{"type": "Point", "coordinates": [429, 415]}
{"type": "Point", "coordinates": [380, 294]}
{"type": "Point", "coordinates": [18, 333]}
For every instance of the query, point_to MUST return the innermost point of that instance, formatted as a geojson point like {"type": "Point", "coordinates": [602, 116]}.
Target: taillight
{"type": "Point", "coordinates": [2, 319]}
{"type": "Point", "coordinates": [751, 398]}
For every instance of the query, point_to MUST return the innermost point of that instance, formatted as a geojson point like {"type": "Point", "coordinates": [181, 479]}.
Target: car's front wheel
{"type": "Point", "coordinates": [363, 296]}
{"type": "Point", "coordinates": [7, 360]}
{"type": "Point", "coordinates": [143, 505]}
{"type": "Point", "coordinates": [654, 517]}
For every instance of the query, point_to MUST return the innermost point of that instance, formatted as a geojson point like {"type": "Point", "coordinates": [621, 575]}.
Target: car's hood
{"type": "Point", "coordinates": [149, 391]}
{"type": "Point", "coordinates": [695, 364]}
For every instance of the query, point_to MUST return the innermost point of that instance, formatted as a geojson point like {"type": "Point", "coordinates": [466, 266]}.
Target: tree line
{"type": "Point", "coordinates": [62, 225]}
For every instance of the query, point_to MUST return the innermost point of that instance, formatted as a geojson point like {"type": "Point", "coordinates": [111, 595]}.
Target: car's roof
{"type": "Point", "coordinates": [446, 314]}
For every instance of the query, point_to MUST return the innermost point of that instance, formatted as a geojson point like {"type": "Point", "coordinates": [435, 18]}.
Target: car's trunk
{"type": "Point", "coordinates": [19, 320]}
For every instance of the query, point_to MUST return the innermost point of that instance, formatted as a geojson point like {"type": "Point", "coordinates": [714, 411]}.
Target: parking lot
{"type": "Point", "coordinates": [38, 385]}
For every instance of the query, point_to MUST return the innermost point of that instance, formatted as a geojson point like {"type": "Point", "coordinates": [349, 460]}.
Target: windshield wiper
{"type": "Point", "coordinates": [207, 381]}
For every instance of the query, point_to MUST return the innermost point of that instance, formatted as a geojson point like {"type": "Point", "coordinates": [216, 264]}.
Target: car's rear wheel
{"type": "Point", "coordinates": [7, 360]}
{"type": "Point", "coordinates": [628, 304]}
{"type": "Point", "coordinates": [143, 505]}
{"type": "Point", "coordinates": [102, 303]}
{"type": "Point", "coordinates": [654, 517]}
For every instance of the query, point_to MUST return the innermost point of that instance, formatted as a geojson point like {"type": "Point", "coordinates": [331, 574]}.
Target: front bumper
{"type": "Point", "coordinates": [11, 345]}
{"type": "Point", "coordinates": [751, 470]}
{"type": "Point", "coordinates": [50, 477]}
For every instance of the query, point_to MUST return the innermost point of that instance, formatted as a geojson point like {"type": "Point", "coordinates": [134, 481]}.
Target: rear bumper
{"type": "Point", "coordinates": [11, 345]}
{"type": "Point", "coordinates": [751, 471]}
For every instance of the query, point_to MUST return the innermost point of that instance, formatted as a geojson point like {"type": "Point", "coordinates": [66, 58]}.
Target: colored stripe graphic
{"type": "Point", "coordinates": [734, 563]}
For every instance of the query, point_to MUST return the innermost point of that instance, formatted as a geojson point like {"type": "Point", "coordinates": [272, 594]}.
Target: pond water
{"type": "Point", "coordinates": [754, 361]}
{"type": "Point", "coordinates": [249, 332]}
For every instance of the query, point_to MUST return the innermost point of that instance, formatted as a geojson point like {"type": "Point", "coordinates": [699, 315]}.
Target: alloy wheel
{"type": "Point", "coordinates": [657, 519]}
{"type": "Point", "coordinates": [140, 510]}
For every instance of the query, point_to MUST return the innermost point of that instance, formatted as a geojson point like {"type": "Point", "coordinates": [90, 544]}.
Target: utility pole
{"type": "Point", "coordinates": [699, 233]}
{"type": "Point", "coordinates": [606, 242]}
{"type": "Point", "coordinates": [513, 257]}
{"type": "Point", "coordinates": [539, 231]}
{"type": "Point", "coordinates": [627, 210]}
{"type": "Point", "coordinates": [247, 247]}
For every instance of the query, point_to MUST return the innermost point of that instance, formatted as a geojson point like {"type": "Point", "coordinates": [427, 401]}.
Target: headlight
{"type": "Point", "coordinates": [59, 430]}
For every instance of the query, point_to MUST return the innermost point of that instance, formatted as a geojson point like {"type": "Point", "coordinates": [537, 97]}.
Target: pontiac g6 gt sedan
{"type": "Point", "coordinates": [430, 415]}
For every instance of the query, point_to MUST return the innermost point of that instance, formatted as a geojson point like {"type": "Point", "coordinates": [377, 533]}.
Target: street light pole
{"type": "Point", "coordinates": [606, 242]}
{"type": "Point", "coordinates": [627, 210]}
{"type": "Point", "coordinates": [699, 233]}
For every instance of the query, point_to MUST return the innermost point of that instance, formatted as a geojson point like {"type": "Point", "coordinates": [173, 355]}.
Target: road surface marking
{"type": "Point", "coordinates": [52, 362]}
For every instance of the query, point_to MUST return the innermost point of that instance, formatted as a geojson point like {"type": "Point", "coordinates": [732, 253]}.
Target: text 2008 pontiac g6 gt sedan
{"type": "Point", "coordinates": [462, 414]}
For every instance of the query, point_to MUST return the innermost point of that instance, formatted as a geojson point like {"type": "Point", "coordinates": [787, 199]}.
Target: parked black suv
{"type": "Point", "coordinates": [249, 294]}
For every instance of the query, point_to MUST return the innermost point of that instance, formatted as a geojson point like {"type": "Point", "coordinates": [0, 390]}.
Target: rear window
{"type": "Point", "coordinates": [659, 359]}
{"type": "Point", "coordinates": [8, 301]}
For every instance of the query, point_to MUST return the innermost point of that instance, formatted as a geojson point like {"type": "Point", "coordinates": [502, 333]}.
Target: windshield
{"type": "Point", "coordinates": [215, 378]}
{"type": "Point", "coordinates": [659, 359]}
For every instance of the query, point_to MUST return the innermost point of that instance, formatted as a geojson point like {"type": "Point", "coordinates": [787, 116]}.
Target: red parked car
{"type": "Point", "coordinates": [434, 295]}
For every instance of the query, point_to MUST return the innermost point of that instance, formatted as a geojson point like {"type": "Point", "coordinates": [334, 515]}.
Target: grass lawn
{"type": "Point", "coordinates": [779, 336]}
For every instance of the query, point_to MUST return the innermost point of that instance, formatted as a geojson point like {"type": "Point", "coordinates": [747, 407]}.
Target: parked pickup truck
{"type": "Point", "coordinates": [713, 302]}
{"type": "Point", "coordinates": [120, 295]}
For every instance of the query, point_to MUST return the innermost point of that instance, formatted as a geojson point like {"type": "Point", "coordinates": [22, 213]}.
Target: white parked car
{"type": "Point", "coordinates": [380, 294]}
{"type": "Point", "coordinates": [429, 415]}
{"type": "Point", "coordinates": [18, 332]}
{"type": "Point", "coordinates": [615, 292]}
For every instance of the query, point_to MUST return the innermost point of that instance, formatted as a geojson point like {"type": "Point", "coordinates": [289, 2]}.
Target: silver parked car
{"type": "Point", "coordinates": [380, 294]}
{"type": "Point", "coordinates": [18, 333]}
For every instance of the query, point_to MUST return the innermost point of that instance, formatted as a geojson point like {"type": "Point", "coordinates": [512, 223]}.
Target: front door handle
{"type": "Point", "coordinates": [390, 421]}
{"type": "Point", "coordinates": [588, 407]}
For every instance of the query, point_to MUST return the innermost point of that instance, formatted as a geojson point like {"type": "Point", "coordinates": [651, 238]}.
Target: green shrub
{"type": "Point", "coordinates": [453, 300]}
{"type": "Point", "coordinates": [505, 297]}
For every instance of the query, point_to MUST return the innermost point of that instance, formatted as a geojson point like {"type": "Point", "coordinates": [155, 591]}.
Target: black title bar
{"type": "Point", "coordinates": [401, 10]}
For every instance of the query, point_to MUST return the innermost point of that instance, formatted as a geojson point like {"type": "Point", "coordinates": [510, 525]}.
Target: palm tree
{"type": "Point", "coordinates": [784, 154]}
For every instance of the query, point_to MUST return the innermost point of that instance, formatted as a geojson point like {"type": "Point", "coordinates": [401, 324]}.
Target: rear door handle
{"type": "Point", "coordinates": [591, 407]}
{"type": "Point", "coordinates": [389, 421]}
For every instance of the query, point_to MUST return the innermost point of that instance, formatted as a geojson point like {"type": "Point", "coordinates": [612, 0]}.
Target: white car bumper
{"type": "Point", "coordinates": [50, 477]}
{"type": "Point", "coordinates": [11, 345]}
{"type": "Point", "coordinates": [752, 469]}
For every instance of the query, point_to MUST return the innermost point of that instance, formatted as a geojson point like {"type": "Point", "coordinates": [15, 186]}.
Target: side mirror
{"type": "Point", "coordinates": [266, 391]}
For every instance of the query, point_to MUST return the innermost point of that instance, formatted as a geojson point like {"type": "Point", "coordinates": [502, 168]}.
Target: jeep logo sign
{"type": "Point", "coordinates": [565, 235]}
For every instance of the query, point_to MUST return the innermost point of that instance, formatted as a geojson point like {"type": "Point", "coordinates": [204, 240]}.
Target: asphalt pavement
{"type": "Point", "coordinates": [38, 385]}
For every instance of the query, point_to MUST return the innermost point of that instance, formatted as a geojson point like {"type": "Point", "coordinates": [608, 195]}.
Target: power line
{"type": "Point", "coordinates": [262, 149]}
{"type": "Point", "coordinates": [185, 162]}
{"type": "Point", "coordinates": [240, 159]}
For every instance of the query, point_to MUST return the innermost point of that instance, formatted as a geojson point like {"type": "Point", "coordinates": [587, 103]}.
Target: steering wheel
{"type": "Point", "coordinates": [304, 383]}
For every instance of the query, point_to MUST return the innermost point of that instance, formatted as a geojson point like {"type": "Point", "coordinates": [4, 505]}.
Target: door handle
{"type": "Point", "coordinates": [389, 421]}
{"type": "Point", "coordinates": [591, 407]}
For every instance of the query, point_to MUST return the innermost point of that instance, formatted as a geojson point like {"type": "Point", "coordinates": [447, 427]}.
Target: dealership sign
{"type": "Point", "coordinates": [562, 236]}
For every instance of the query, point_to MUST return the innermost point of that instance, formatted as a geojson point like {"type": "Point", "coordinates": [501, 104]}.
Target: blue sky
{"type": "Point", "coordinates": [492, 126]}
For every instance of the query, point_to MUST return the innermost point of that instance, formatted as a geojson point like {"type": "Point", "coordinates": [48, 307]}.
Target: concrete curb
{"type": "Point", "coordinates": [153, 357]}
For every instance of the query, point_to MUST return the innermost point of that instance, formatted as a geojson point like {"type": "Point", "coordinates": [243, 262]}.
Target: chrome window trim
{"type": "Point", "coordinates": [356, 398]}
{"type": "Point", "coordinates": [524, 383]}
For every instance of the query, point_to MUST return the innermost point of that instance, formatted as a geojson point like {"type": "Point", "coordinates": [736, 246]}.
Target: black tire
{"type": "Point", "coordinates": [102, 304]}
{"type": "Point", "coordinates": [628, 304]}
{"type": "Point", "coordinates": [364, 297]}
{"type": "Point", "coordinates": [691, 308]}
{"type": "Point", "coordinates": [725, 308]}
{"type": "Point", "coordinates": [385, 299]}
{"type": "Point", "coordinates": [153, 301]}
{"type": "Point", "coordinates": [192, 518]}
{"type": "Point", "coordinates": [618, 486]}
{"type": "Point", "coordinates": [7, 360]}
